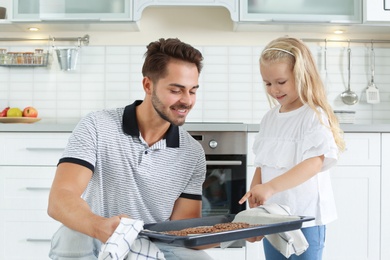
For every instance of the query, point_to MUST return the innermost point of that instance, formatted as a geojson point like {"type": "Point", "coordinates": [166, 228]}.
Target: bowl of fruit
{"type": "Point", "coordinates": [16, 115]}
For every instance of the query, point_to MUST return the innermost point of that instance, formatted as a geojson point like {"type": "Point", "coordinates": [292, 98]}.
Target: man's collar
{"type": "Point", "coordinates": [130, 126]}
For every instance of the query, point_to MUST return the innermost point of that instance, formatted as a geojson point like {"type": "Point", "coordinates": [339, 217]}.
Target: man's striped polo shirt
{"type": "Point", "coordinates": [129, 177]}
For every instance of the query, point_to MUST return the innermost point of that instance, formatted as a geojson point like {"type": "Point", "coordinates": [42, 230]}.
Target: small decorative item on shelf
{"type": "Point", "coordinates": [24, 59]}
{"type": "Point", "coordinates": [345, 116]}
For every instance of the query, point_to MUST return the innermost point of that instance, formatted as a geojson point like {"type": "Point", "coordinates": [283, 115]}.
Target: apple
{"type": "Point", "coordinates": [30, 112]}
{"type": "Point", "coordinates": [4, 112]}
{"type": "Point", "coordinates": [14, 112]}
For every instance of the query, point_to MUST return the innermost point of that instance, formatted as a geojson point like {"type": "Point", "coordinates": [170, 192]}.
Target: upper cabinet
{"type": "Point", "coordinates": [231, 5]}
{"type": "Point", "coordinates": [304, 11]}
{"type": "Point", "coordinates": [60, 10]}
{"type": "Point", "coordinates": [376, 11]}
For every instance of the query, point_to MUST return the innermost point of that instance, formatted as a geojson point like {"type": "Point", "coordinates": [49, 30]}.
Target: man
{"type": "Point", "coordinates": [134, 162]}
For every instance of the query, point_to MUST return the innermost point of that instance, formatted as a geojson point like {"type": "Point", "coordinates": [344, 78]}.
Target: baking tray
{"type": "Point", "coordinates": [153, 231]}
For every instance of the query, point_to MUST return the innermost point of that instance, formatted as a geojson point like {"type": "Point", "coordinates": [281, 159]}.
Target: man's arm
{"type": "Point", "coordinates": [67, 206]}
{"type": "Point", "coordinates": [186, 208]}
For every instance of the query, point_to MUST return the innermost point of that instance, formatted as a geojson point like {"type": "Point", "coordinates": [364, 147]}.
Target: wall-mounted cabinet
{"type": "Point", "coordinates": [100, 10]}
{"type": "Point", "coordinates": [317, 11]}
{"type": "Point", "coordinates": [376, 11]}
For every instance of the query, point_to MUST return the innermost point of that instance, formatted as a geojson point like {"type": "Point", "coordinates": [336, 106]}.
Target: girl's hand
{"type": "Point", "coordinates": [257, 195]}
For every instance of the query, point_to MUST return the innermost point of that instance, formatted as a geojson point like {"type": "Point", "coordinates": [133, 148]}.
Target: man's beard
{"type": "Point", "coordinates": [158, 107]}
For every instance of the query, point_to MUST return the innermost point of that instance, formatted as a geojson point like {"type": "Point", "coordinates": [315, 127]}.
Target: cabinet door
{"type": "Point", "coordinates": [25, 227]}
{"type": "Point", "coordinates": [99, 10]}
{"type": "Point", "coordinates": [356, 232]}
{"type": "Point", "coordinates": [227, 253]}
{"type": "Point", "coordinates": [25, 187]}
{"type": "Point", "coordinates": [361, 149]}
{"type": "Point", "coordinates": [376, 11]}
{"type": "Point", "coordinates": [32, 148]}
{"type": "Point", "coordinates": [335, 11]}
{"type": "Point", "coordinates": [385, 197]}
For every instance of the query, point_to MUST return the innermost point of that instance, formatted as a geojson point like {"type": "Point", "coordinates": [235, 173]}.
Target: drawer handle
{"type": "Point", "coordinates": [224, 162]}
{"type": "Point", "coordinates": [37, 188]}
{"type": "Point", "coordinates": [38, 240]}
{"type": "Point", "coordinates": [44, 149]}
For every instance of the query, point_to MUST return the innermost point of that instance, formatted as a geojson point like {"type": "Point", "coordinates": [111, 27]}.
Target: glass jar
{"type": "Point", "coordinates": [38, 57]}
{"type": "Point", "coordinates": [3, 55]}
{"type": "Point", "coordinates": [19, 59]}
{"type": "Point", "coordinates": [28, 58]}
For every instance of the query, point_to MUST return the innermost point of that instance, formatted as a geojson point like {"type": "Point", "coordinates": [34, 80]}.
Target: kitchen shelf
{"type": "Point", "coordinates": [45, 58]}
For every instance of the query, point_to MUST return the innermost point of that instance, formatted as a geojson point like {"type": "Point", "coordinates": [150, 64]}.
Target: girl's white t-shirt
{"type": "Point", "coordinates": [286, 139]}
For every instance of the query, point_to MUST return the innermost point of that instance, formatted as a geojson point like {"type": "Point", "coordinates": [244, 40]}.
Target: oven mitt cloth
{"type": "Point", "coordinates": [126, 244]}
{"type": "Point", "coordinates": [287, 243]}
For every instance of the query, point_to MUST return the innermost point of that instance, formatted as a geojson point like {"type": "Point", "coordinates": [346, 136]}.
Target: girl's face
{"type": "Point", "coordinates": [280, 84]}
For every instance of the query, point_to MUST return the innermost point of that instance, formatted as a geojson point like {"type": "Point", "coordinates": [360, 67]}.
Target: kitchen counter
{"type": "Point", "coordinates": [46, 127]}
{"type": "Point", "coordinates": [347, 128]}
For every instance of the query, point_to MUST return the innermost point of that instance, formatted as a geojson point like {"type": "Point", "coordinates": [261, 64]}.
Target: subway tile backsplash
{"type": "Point", "coordinates": [231, 88]}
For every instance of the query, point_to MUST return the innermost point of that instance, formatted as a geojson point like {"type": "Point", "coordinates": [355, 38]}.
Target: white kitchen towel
{"type": "Point", "coordinates": [287, 243]}
{"type": "Point", "coordinates": [125, 243]}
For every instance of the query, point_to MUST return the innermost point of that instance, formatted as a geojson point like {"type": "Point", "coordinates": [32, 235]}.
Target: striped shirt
{"type": "Point", "coordinates": [130, 177]}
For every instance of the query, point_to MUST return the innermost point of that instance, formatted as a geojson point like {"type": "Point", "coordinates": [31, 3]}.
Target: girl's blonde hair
{"type": "Point", "coordinates": [308, 81]}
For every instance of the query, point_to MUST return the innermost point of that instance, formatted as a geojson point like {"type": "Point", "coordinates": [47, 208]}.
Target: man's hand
{"type": "Point", "coordinates": [105, 227]}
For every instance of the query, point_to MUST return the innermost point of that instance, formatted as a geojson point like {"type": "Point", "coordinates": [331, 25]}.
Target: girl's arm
{"type": "Point", "coordinates": [260, 192]}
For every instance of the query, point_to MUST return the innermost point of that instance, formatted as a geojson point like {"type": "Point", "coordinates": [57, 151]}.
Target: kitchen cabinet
{"type": "Point", "coordinates": [331, 11]}
{"type": "Point", "coordinates": [385, 197]}
{"type": "Point", "coordinates": [254, 251]}
{"type": "Point", "coordinates": [356, 183]}
{"type": "Point", "coordinates": [86, 10]}
{"type": "Point", "coordinates": [226, 254]}
{"type": "Point", "coordinates": [376, 11]}
{"type": "Point", "coordinates": [27, 167]}
{"type": "Point", "coordinates": [231, 5]}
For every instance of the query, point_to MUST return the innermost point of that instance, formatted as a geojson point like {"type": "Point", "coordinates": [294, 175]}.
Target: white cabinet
{"type": "Point", "coordinates": [385, 197]}
{"type": "Point", "coordinates": [254, 251]}
{"type": "Point", "coordinates": [331, 11]}
{"type": "Point", "coordinates": [85, 10]}
{"type": "Point", "coordinates": [25, 227]}
{"type": "Point", "coordinates": [376, 11]}
{"type": "Point", "coordinates": [27, 167]}
{"type": "Point", "coordinates": [356, 183]}
{"type": "Point", "coordinates": [231, 5]}
{"type": "Point", "coordinates": [227, 253]}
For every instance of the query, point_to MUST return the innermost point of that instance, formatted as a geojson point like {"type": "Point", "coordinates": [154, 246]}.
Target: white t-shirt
{"type": "Point", "coordinates": [286, 139]}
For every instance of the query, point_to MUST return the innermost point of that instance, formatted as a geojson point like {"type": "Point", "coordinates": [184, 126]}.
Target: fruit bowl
{"type": "Point", "coordinates": [27, 120]}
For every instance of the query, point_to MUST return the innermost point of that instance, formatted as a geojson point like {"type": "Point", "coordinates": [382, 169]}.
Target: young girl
{"type": "Point", "coordinates": [298, 142]}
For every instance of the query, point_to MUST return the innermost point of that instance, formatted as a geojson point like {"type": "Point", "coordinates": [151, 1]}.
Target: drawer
{"type": "Point", "coordinates": [25, 187]}
{"type": "Point", "coordinates": [27, 234]}
{"type": "Point", "coordinates": [361, 149]}
{"type": "Point", "coordinates": [32, 148]}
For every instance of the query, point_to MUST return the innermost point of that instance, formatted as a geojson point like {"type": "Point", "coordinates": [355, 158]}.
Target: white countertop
{"type": "Point", "coordinates": [49, 127]}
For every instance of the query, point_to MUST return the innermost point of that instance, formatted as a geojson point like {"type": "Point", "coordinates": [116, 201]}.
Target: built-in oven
{"type": "Point", "coordinates": [225, 181]}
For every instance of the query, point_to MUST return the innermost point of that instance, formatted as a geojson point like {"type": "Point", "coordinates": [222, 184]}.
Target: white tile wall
{"type": "Point", "coordinates": [231, 88]}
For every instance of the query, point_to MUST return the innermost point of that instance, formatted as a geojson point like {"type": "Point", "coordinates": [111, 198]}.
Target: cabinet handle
{"type": "Point", "coordinates": [44, 149]}
{"type": "Point", "coordinates": [298, 21]}
{"type": "Point", "coordinates": [224, 162]}
{"type": "Point", "coordinates": [37, 188]}
{"type": "Point", "coordinates": [38, 240]}
{"type": "Point", "coordinates": [70, 19]}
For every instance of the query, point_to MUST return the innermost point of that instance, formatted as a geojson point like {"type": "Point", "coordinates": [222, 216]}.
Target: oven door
{"type": "Point", "coordinates": [224, 185]}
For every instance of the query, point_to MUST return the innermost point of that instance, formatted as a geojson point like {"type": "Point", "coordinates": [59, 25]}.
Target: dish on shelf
{"type": "Point", "coordinates": [27, 120]}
